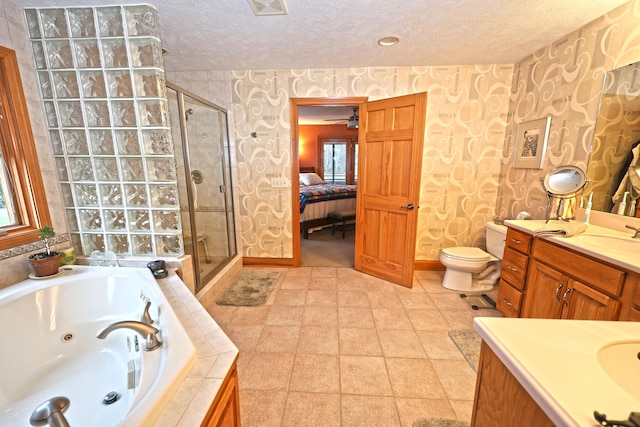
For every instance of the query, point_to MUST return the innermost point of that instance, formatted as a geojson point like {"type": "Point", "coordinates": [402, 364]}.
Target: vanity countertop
{"type": "Point", "coordinates": [615, 247]}
{"type": "Point", "coordinates": [556, 361]}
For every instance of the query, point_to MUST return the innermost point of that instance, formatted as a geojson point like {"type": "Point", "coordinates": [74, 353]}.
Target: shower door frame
{"type": "Point", "coordinates": [201, 280]}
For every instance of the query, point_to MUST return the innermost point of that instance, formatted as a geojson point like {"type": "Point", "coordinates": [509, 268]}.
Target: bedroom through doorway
{"type": "Point", "coordinates": [327, 165]}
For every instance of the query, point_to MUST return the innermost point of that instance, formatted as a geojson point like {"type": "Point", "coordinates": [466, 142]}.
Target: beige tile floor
{"type": "Point", "coordinates": [334, 347]}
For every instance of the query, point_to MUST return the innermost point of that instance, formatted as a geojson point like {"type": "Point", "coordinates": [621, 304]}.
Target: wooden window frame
{"type": "Point", "coordinates": [21, 158]}
{"type": "Point", "coordinates": [351, 149]}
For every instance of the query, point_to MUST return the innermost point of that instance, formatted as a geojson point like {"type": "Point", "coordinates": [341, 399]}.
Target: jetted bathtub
{"type": "Point", "coordinates": [49, 348]}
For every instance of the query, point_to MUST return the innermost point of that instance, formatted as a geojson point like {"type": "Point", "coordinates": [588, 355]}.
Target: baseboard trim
{"type": "Point", "coordinates": [428, 265]}
{"type": "Point", "coordinates": [288, 262]}
{"type": "Point", "coordinates": [267, 262]}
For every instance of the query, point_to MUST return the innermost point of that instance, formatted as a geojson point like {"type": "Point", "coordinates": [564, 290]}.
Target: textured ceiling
{"type": "Point", "coordinates": [226, 35]}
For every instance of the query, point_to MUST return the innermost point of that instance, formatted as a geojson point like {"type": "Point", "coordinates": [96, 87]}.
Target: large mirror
{"type": "Point", "coordinates": [614, 165]}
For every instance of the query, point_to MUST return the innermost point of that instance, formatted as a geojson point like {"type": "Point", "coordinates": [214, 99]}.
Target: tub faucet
{"type": "Point", "coordinates": [50, 413]}
{"type": "Point", "coordinates": [637, 229]}
{"type": "Point", "coordinates": [146, 317]}
{"type": "Point", "coordinates": [147, 331]}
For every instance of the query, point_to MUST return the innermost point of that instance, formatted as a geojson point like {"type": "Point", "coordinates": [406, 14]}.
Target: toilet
{"type": "Point", "coordinates": [472, 270]}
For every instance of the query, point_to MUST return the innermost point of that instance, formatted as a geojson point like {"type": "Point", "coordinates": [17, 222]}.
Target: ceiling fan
{"type": "Point", "coordinates": [352, 121]}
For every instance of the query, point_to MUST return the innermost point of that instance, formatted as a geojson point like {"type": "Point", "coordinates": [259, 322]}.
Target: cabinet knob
{"type": "Point", "coordinates": [564, 296]}
{"type": "Point", "coordinates": [558, 291]}
{"type": "Point", "coordinates": [510, 267]}
{"type": "Point", "coordinates": [516, 241]}
{"type": "Point", "coordinates": [504, 300]}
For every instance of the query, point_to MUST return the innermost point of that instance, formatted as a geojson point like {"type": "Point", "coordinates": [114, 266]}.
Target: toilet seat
{"type": "Point", "coordinates": [466, 254]}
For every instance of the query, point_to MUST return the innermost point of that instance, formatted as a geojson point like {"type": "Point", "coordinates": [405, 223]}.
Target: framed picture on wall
{"type": "Point", "coordinates": [531, 143]}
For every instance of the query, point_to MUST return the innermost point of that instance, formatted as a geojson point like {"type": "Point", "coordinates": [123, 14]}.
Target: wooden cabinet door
{"type": "Point", "coordinates": [225, 408]}
{"type": "Point", "coordinates": [585, 303]}
{"type": "Point", "coordinates": [545, 288]}
{"type": "Point", "coordinates": [501, 401]}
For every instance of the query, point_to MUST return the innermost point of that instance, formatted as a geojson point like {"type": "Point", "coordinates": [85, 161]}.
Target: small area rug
{"type": "Point", "coordinates": [439, 422]}
{"type": "Point", "coordinates": [468, 342]}
{"type": "Point", "coordinates": [250, 288]}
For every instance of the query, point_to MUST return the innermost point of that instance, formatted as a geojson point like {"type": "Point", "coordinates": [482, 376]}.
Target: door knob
{"type": "Point", "coordinates": [409, 207]}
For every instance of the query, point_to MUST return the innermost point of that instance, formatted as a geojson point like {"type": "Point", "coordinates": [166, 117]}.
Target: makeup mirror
{"type": "Point", "coordinates": [563, 184]}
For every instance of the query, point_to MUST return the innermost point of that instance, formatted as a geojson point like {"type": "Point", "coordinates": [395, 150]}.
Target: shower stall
{"type": "Point", "coordinates": [201, 146]}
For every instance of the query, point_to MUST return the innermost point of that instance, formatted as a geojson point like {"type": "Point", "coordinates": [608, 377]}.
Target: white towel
{"type": "Point", "coordinates": [562, 228]}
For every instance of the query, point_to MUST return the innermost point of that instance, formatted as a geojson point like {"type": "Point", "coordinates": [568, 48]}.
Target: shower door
{"type": "Point", "coordinates": [201, 147]}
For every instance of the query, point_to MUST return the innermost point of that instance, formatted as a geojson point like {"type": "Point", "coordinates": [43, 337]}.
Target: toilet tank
{"type": "Point", "coordinates": [496, 238]}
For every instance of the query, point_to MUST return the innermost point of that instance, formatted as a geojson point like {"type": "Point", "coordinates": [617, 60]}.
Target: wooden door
{"type": "Point", "coordinates": [585, 303]}
{"type": "Point", "coordinates": [545, 290]}
{"type": "Point", "coordinates": [391, 139]}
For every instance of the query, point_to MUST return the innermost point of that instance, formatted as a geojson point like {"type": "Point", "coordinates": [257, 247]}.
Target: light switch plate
{"type": "Point", "coordinates": [279, 182]}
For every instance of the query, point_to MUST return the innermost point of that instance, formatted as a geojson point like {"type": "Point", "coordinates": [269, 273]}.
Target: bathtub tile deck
{"type": "Point", "coordinates": [335, 347]}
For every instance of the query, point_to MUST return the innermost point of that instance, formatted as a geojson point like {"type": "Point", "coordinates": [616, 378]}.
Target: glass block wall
{"type": "Point", "coordinates": [101, 78]}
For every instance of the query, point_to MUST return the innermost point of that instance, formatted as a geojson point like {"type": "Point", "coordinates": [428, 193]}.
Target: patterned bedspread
{"type": "Point", "coordinates": [322, 192]}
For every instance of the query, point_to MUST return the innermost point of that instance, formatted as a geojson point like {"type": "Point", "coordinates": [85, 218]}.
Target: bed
{"type": "Point", "coordinates": [318, 199]}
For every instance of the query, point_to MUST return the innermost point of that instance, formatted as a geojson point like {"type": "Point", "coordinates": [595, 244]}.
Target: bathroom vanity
{"type": "Point", "coordinates": [534, 373]}
{"type": "Point", "coordinates": [537, 371]}
{"type": "Point", "coordinates": [591, 276]}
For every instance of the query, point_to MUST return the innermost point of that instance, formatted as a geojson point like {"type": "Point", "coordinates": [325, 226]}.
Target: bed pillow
{"type": "Point", "coordinates": [310, 179]}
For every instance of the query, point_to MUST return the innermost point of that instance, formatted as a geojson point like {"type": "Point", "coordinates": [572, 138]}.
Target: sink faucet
{"type": "Point", "coordinates": [637, 229]}
{"type": "Point", "coordinates": [143, 329]}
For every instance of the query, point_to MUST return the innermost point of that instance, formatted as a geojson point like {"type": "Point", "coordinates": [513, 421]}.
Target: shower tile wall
{"type": "Point", "coordinates": [101, 78]}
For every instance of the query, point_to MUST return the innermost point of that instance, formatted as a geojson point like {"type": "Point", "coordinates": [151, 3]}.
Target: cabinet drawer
{"type": "Point", "coordinates": [586, 270]}
{"type": "Point", "coordinates": [519, 241]}
{"type": "Point", "coordinates": [514, 268]}
{"type": "Point", "coordinates": [509, 300]}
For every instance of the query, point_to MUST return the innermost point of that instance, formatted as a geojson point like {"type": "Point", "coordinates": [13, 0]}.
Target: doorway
{"type": "Point", "coordinates": [391, 139]}
{"type": "Point", "coordinates": [330, 152]}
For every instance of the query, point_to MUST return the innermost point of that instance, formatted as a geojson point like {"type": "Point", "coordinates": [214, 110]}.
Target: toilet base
{"type": "Point", "coordinates": [463, 281]}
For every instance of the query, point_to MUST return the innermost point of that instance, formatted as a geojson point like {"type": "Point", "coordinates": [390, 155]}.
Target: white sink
{"type": "Point", "coordinates": [621, 361]}
{"type": "Point", "coordinates": [623, 244]}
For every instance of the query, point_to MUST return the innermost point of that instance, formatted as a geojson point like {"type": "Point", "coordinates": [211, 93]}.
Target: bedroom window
{"type": "Point", "coordinates": [338, 160]}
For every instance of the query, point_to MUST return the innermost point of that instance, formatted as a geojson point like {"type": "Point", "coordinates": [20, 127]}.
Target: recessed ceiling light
{"type": "Point", "coordinates": [389, 41]}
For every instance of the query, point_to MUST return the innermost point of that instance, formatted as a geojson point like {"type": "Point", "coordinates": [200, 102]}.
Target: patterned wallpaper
{"type": "Point", "coordinates": [466, 117]}
{"type": "Point", "coordinates": [564, 81]}
{"type": "Point", "coordinates": [467, 165]}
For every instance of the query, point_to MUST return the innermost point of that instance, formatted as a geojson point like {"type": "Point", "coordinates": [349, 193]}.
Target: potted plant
{"type": "Point", "coordinates": [45, 263]}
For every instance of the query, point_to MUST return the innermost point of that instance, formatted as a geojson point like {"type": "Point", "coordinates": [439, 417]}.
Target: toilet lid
{"type": "Point", "coordinates": [465, 253]}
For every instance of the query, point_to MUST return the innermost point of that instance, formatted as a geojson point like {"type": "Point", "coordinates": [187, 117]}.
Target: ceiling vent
{"type": "Point", "coordinates": [268, 7]}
